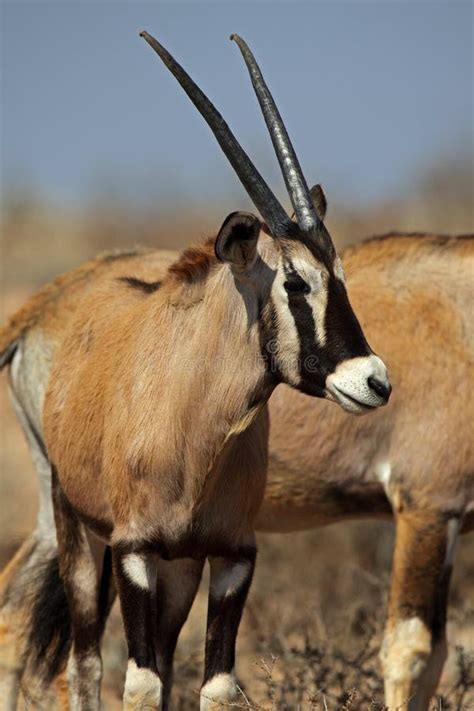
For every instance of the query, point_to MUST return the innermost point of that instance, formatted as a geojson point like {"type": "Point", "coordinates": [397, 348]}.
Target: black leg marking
{"type": "Point", "coordinates": [143, 687]}
{"type": "Point", "coordinates": [177, 584]}
{"type": "Point", "coordinates": [229, 586]}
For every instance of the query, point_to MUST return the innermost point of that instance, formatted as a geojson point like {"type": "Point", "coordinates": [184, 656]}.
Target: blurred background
{"type": "Point", "coordinates": [100, 149]}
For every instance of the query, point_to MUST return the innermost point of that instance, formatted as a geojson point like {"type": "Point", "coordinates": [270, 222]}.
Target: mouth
{"type": "Point", "coordinates": [349, 403]}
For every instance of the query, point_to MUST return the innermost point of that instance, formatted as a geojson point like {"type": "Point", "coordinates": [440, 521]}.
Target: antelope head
{"type": "Point", "coordinates": [311, 338]}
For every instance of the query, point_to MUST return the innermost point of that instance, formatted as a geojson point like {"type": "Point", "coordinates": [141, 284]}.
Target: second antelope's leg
{"type": "Point", "coordinates": [81, 583]}
{"type": "Point", "coordinates": [135, 574]}
{"type": "Point", "coordinates": [177, 584]}
{"type": "Point", "coordinates": [13, 611]}
{"type": "Point", "coordinates": [229, 586]}
{"type": "Point", "coordinates": [414, 647]}
{"type": "Point", "coordinates": [107, 594]}
{"type": "Point", "coordinates": [22, 579]}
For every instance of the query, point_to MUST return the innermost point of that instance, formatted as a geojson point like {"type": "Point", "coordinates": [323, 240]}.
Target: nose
{"type": "Point", "coordinates": [382, 388]}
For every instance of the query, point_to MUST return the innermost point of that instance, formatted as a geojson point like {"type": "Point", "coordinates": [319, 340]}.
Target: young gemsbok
{"type": "Point", "coordinates": [143, 417]}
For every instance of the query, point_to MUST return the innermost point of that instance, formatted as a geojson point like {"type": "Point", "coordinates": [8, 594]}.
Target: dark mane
{"type": "Point", "coordinates": [145, 286]}
{"type": "Point", "coordinates": [195, 263]}
{"type": "Point", "coordinates": [435, 239]}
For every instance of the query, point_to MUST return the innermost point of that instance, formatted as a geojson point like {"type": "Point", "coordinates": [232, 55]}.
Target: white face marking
{"type": "Point", "coordinates": [405, 650]}
{"type": "Point", "coordinates": [230, 580]}
{"type": "Point", "coordinates": [221, 688]}
{"type": "Point", "coordinates": [348, 384]}
{"type": "Point", "coordinates": [318, 296]}
{"type": "Point", "coordinates": [135, 568]}
{"type": "Point", "coordinates": [287, 348]}
{"type": "Point", "coordinates": [143, 688]}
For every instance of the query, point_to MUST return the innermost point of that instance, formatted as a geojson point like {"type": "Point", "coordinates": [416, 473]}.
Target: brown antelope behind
{"type": "Point", "coordinates": [147, 421]}
{"type": "Point", "coordinates": [413, 296]}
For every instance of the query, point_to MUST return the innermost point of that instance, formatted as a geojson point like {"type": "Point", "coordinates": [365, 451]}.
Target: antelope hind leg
{"type": "Point", "coordinates": [22, 578]}
{"type": "Point", "coordinates": [81, 583]}
{"type": "Point", "coordinates": [414, 646]}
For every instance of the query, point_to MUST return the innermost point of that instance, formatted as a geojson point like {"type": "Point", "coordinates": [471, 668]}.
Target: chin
{"type": "Point", "coordinates": [312, 389]}
{"type": "Point", "coordinates": [349, 404]}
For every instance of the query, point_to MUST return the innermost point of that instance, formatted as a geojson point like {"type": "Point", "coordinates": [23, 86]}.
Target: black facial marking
{"type": "Point", "coordinates": [345, 338]}
{"type": "Point", "coordinates": [320, 246]}
{"type": "Point", "coordinates": [144, 286]}
{"type": "Point", "coordinates": [295, 284]}
{"type": "Point", "coordinates": [313, 379]}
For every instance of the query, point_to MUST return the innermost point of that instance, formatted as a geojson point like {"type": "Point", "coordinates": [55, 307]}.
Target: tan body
{"type": "Point", "coordinates": [412, 295]}
{"type": "Point", "coordinates": [140, 433]}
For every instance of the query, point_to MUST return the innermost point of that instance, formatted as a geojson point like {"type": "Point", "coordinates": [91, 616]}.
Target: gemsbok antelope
{"type": "Point", "coordinates": [147, 424]}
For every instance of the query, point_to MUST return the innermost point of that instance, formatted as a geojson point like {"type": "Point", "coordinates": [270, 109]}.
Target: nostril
{"type": "Point", "coordinates": [383, 389]}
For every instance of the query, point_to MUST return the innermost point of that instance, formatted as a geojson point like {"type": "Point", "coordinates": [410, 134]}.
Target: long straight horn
{"type": "Point", "coordinates": [295, 183]}
{"type": "Point", "coordinates": [264, 200]}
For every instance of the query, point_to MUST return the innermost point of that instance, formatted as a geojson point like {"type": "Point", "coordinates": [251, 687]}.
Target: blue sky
{"type": "Point", "coordinates": [371, 92]}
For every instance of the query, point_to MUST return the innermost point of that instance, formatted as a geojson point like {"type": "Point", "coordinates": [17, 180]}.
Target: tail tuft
{"type": "Point", "coordinates": [50, 632]}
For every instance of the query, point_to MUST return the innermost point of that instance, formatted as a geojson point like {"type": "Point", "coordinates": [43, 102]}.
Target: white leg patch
{"type": "Point", "coordinates": [228, 581]}
{"type": "Point", "coordinates": [143, 688]}
{"type": "Point", "coordinates": [135, 568]}
{"type": "Point", "coordinates": [220, 689]}
{"type": "Point", "coordinates": [405, 650]}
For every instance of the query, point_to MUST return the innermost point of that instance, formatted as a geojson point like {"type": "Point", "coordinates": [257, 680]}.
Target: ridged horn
{"type": "Point", "coordinates": [292, 174]}
{"type": "Point", "coordinates": [264, 200]}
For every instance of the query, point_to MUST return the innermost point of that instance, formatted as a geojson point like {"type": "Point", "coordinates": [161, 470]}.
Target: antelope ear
{"type": "Point", "coordinates": [319, 201]}
{"type": "Point", "coordinates": [237, 239]}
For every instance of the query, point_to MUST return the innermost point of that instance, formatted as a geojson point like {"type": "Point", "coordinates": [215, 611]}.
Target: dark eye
{"type": "Point", "coordinates": [296, 285]}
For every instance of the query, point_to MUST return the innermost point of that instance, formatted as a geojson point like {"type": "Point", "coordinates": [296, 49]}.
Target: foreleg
{"type": "Point", "coordinates": [229, 586]}
{"type": "Point", "coordinates": [177, 584]}
{"type": "Point", "coordinates": [134, 574]}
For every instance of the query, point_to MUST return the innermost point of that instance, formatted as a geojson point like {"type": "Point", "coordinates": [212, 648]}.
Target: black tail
{"type": "Point", "coordinates": [50, 631]}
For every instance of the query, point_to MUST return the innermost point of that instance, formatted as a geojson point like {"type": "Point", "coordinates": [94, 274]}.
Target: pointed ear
{"type": "Point", "coordinates": [319, 201]}
{"type": "Point", "coordinates": [237, 240]}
